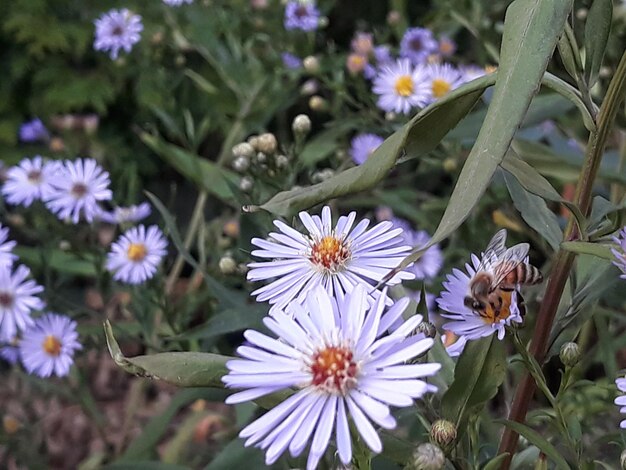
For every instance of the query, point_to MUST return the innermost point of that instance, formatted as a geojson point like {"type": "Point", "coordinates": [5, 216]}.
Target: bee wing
{"type": "Point", "coordinates": [494, 251]}
{"type": "Point", "coordinates": [509, 260]}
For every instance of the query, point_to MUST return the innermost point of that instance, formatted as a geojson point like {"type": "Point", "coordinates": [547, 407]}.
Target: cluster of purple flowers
{"type": "Point", "coordinates": [301, 15]}
{"type": "Point", "coordinates": [44, 345]}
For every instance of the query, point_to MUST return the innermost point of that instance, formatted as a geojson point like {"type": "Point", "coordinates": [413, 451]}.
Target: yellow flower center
{"type": "Point", "coordinates": [494, 313]}
{"type": "Point", "coordinates": [329, 253]}
{"type": "Point", "coordinates": [137, 251]}
{"type": "Point", "coordinates": [334, 370]}
{"type": "Point", "coordinates": [52, 345]}
{"type": "Point", "coordinates": [440, 87]}
{"type": "Point", "coordinates": [404, 85]}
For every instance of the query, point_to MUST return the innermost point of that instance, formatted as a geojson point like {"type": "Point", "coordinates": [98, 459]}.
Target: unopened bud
{"type": "Point", "coordinates": [260, 158]}
{"type": "Point", "coordinates": [227, 265]}
{"type": "Point", "coordinates": [180, 60]}
{"type": "Point", "coordinates": [443, 433]}
{"type": "Point", "coordinates": [450, 165]}
{"type": "Point", "coordinates": [231, 228]}
{"type": "Point", "coordinates": [90, 123]}
{"type": "Point", "coordinates": [282, 161]}
{"type": "Point", "coordinates": [390, 116]}
{"type": "Point", "coordinates": [56, 144]}
{"type": "Point", "coordinates": [254, 141]}
{"type": "Point", "coordinates": [244, 149]}
{"type": "Point", "coordinates": [581, 13]}
{"type": "Point", "coordinates": [322, 175]}
{"type": "Point", "coordinates": [322, 22]}
{"type": "Point", "coordinates": [427, 457]}
{"type": "Point", "coordinates": [246, 184]}
{"type": "Point", "coordinates": [10, 424]}
{"type": "Point", "coordinates": [64, 245]}
{"type": "Point", "coordinates": [427, 329]}
{"type": "Point", "coordinates": [309, 87]}
{"type": "Point", "coordinates": [393, 17]}
{"type": "Point", "coordinates": [317, 103]}
{"type": "Point", "coordinates": [622, 460]}
{"type": "Point", "coordinates": [311, 64]}
{"type": "Point", "coordinates": [241, 164]}
{"type": "Point", "coordinates": [267, 143]}
{"type": "Point", "coordinates": [301, 124]}
{"type": "Point", "coordinates": [569, 354]}
{"type": "Point", "coordinates": [271, 173]}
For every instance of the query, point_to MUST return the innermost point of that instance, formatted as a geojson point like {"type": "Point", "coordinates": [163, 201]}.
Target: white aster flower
{"type": "Point", "coordinates": [401, 87]}
{"type": "Point", "coordinates": [442, 79]}
{"type": "Point", "coordinates": [621, 400]}
{"type": "Point", "coordinates": [29, 181]}
{"type": "Point", "coordinates": [466, 322]}
{"type": "Point", "coordinates": [18, 297]}
{"type": "Point", "coordinates": [6, 248]}
{"type": "Point", "coordinates": [345, 367]}
{"type": "Point", "coordinates": [338, 258]}
{"type": "Point", "coordinates": [123, 215]}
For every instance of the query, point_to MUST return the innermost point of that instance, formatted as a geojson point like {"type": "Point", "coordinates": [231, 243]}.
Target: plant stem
{"type": "Point", "coordinates": [563, 263]}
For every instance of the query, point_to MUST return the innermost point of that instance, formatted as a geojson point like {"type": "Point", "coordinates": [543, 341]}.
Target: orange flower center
{"type": "Point", "coordinates": [404, 85]}
{"type": "Point", "coordinates": [440, 87]}
{"type": "Point", "coordinates": [52, 345]}
{"type": "Point", "coordinates": [137, 251]}
{"type": "Point", "coordinates": [334, 370]}
{"type": "Point", "coordinates": [329, 253]}
{"type": "Point", "coordinates": [500, 311]}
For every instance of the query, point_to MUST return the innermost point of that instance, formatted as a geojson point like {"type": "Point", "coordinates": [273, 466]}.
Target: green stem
{"type": "Point", "coordinates": [564, 260]}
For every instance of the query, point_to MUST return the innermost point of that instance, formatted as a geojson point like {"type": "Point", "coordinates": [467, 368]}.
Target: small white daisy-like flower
{"type": "Point", "coordinates": [338, 258]}
{"type": "Point", "coordinates": [48, 347]}
{"type": "Point", "coordinates": [29, 181]}
{"type": "Point", "coordinates": [136, 255]}
{"type": "Point", "coordinates": [621, 400]}
{"type": "Point", "coordinates": [401, 87]}
{"type": "Point", "coordinates": [18, 297]}
{"type": "Point", "coordinates": [442, 79]}
{"type": "Point", "coordinates": [6, 248]}
{"type": "Point", "coordinates": [123, 215]}
{"type": "Point", "coordinates": [345, 367]}
{"type": "Point", "coordinates": [117, 29]}
{"type": "Point", "coordinates": [467, 322]}
{"type": "Point", "coordinates": [76, 189]}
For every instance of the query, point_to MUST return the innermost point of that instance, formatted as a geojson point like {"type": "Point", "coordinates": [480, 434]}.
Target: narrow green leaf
{"type": "Point", "coordinates": [531, 29]}
{"type": "Point", "coordinates": [597, 29]}
{"type": "Point", "coordinates": [538, 440]}
{"type": "Point", "coordinates": [568, 55]}
{"type": "Point", "coordinates": [586, 248]}
{"type": "Point", "coordinates": [236, 455]}
{"type": "Point", "coordinates": [494, 463]}
{"type": "Point", "coordinates": [204, 173]}
{"type": "Point", "coordinates": [202, 83]}
{"type": "Point", "coordinates": [61, 261]}
{"type": "Point", "coordinates": [535, 212]}
{"type": "Point", "coordinates": [228, 321]}
{"type": "Point", "coordinates": [479, 372]}
{"type": "Point", "coordinates": [568, 91]}
{"type": "Point", "coordinates": [418, 137]}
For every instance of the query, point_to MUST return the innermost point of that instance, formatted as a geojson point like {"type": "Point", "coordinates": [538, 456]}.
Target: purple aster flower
{"type": "Point", "coordinates": [6, 248]}
{"type": "Point", "coordinates": [620, 251]}
{"type": "Point", "coordinates": [29, 181]}
{"type": "Point", "coordinates": [176, 3]}
{"type": "Point", "coordinates": [49, 345]}
{"type": "Point", "coordinates": [382, 54]}
{"type": "Point", "coordinates": [77, 188]}
{"type": "Point", "coordinates": [17, 300]}
{"type": "Point", "coordinates": [337, 258]}
{"type": "Point", "coordinates": [33, 131]}
{"type": "Point", "coordinates": [442, 79]}
{"type": "Point", "coordinates": [401, 87]}
{"type": "Point", "coordinates": [290, 61]}
{"type": "Point", "coordinates": [356, 63]}
{"type": "Point", "coordinates": [363, 145]}
{"type": "Point", "coordinates": [343, 364]}
{"type": "Point", "coordinates": [430, 263]}
{"type": "Point", "coordinates": [117, 29]}
{"type": "Point", "coordinates": [447, 47]}
{"type": "Point", "coordinates": [362, 43]}
{"type": "Point", "coordinates": [370, 72]}
{"type": "Point", "coordinates": [123, 215]}
{"type": "Point", "coordinates": [10, 352]}
{"type": "Point", "coordinates": [417, 44]}
{"type": "Point", "coordinates": [621, 400]}
{"type": "Point", "coordinates": [301, 14]}
{"type": "Point", "coordinates": [467, 322]}
{"type": "Point", "coordinates": [136, 255]}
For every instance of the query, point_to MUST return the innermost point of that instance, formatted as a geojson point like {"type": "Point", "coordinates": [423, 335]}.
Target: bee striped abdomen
{"type": "Point", "coordinates": [525, 274]}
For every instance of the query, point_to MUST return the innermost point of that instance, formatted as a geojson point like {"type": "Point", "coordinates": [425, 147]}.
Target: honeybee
{"type": "Point", "coordinates": [500, 271]}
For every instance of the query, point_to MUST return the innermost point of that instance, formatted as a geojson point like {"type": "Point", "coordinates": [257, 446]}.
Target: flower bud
{"type": "Point", "coordinates": [241, 164]}
{"type": "Point", "coordinates": [390, 116]}
{"type": "Point", "coordinates": [56, 144]}
{"type": "Point", "coordinates": [231, 228]}
{"type": "Point", "coordinates": [427, 457]}
{"type": "Point", "coordinates": [267, 143]}
{"type": "Point", "coordinates": [10, 424]}
{"type": "Point", "coordinates": [393, 17]}
{"type": "Point", "coordinates": [282, 161]}
{"type": "Point", "coordinates": [622, 460]}
{"type": "Point", "coordinates": [301, 124]}
{"type": "Point", "coordinates": [427, 329]}
{"type": "Point", "coordinates": [322, 175]}
{"type": "Point", "coordinates": [227, 265]}
{"type": "Point", "coordinates": [246, 184]}
{"type": "Point", "coordinates": [244, 149]}
{"type": "Point", "coordinates": [450, 165]}
{"type": "Point", "coordinates": [309, 87]}
{"type": "Point", "coordinates": [569, 354]}
{"type": "Point", "coordinates": [581, 13]}
{"type": "Point", "coordinates": [443, 433]}
{"type": "Point", "coordinates": [317, 103]}
{"type": "Point", "coordinates": [260, 158]}
{"type": "Point", "coordinates": [311, 64]}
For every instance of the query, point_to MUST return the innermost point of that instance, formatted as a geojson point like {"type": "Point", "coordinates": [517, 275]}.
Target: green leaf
{"type": "Point", "coordinates": [586, 248]}
{"type": "Point", "coordinates": [236, 455]}
{"type": "Point", "coordinates": [204, 173]}
{"type": "Point", "coordinates": [531, 29]}
{"type": "Point", "coordinates": [228, 321]}
{"type": "Point", "coordinates": [480, 370]}
{"type": "Point", "coordinates": [494, 463]}
{"type": "Point", "coordinates": [535, 212]}
{"type": "Point", "coordinates": [538, 440]}
{"type": "Point", "coordinates": [597, 29]}
{"type": "Point", "coordinates": [202, 83]}
{"type": "Point", "coordinates": [569, 53]}
{"type": "Point", "coordinates": [144, 465]}
{"type": "Point", "coordinates": [418, 137]}
{"type": "Point", "coordinates": [568, 91]}
{"type": "Point", "coordinates": [60, 261]}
